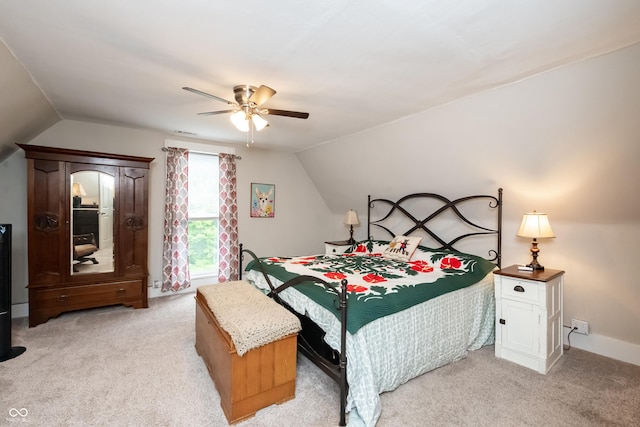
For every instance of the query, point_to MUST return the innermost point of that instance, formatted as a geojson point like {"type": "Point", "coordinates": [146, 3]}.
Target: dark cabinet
{"type": "Point", "coordinates": [85, 221]}
{"type": "Point", "coordinates": [60, 279]}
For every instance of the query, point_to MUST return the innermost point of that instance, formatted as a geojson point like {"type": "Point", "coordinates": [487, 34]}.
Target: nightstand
{"type": "Point", "coordinates": [335, 248]}
{"type": "Point", "coordinates": [529, 317]}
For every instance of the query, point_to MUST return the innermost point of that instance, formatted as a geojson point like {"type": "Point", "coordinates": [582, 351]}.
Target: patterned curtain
{"type": "Point", "coordinates": [228, 257]}
{"type": "Point", "coordinates": [175, 254]}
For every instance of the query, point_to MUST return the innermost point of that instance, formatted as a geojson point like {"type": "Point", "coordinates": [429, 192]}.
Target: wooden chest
{"type": "Point", "coordinates": [261, 377]}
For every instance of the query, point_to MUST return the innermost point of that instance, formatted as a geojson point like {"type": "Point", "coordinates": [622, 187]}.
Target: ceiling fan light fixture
{"type": "Point", "coordinates": [239, 120]}
{"type": "Point", "coordinates": [247, 112]}
{"type": "Point", "coordinates": [258, 122]}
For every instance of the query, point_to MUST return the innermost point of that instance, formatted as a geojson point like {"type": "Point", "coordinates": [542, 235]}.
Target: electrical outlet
{"type": "Point", "coordinates": [583, 327]}
{"type": "Point", "coordinates": [156, 284]}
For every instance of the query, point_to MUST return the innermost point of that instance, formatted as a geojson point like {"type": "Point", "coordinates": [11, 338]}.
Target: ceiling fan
{"type": "Point", "coordinates": [247, 109]}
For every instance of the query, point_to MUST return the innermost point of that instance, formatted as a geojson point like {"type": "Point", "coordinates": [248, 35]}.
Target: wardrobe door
{"type": "Point", "coordinates": [48, 223]}
{"type": "Point", "coordinates": [132, 251]}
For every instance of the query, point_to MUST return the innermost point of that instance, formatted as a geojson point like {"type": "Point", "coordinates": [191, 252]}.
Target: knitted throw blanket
{"type": "Point", "coordinates": [251, 318]}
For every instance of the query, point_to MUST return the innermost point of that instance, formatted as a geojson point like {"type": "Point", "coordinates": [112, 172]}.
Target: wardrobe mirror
{"type": "Point", "coordinates": [92, 207]}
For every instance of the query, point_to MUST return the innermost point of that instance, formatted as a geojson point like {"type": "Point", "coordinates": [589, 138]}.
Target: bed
{"type": "Point", "coordinates": [398, 304]}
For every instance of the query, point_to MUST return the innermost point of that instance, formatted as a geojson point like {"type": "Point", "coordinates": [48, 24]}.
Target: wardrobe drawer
{"type": "Point", "coordinates": [113, 292]}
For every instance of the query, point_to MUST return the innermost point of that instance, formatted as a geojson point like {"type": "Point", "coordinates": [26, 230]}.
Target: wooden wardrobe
{"type": "Point", "coordinates": [72, 267]}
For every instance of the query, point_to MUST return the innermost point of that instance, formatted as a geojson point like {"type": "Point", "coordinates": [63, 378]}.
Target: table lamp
{"type": "Point", "coordinates": [351, 219]}
{"type": "Point", "coordinates": [78, 191]}
{"type": "Point", "coordinates": [535, 225]}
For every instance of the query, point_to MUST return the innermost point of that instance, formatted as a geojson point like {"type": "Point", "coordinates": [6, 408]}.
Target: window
{"type": "Point", "coordinates": [203, 214]}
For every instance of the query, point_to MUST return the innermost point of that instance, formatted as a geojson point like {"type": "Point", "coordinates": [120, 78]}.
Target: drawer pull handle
{"type": "Point", "coordinates": [63, 298]}
{"type": "Point", "coordinates": [518, 289]}
{"type": "Point", "coordinates": [121, 291]}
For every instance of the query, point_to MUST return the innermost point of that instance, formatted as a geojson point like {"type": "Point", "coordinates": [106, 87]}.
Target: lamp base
{"type": "Point", "coordinates": [351, 240]}
{"type": "Point", "coordinates": [534, 264]}
{"type": "Point", "coordinates": [536, 267]}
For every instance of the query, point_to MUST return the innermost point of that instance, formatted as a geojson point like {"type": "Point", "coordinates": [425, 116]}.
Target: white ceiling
{"type": "Point", "coordinates": [353, 65]}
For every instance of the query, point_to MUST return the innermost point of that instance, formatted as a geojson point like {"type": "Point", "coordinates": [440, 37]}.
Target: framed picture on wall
{"type": "Point", "coordinates": [263, 200]}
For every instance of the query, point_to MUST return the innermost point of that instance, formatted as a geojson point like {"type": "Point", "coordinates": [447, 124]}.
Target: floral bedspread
{"type": "Point", "coordinates": [378, 286]}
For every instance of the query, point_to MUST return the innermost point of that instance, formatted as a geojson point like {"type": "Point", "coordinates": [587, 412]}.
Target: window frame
{"type": "Point", "coordinates": [198, 148]}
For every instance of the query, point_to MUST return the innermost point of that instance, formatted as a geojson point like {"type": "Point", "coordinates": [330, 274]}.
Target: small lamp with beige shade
{"type": "Point", "coordinates": [535, 225]}
{"type": "Point", "coordinates": [351, 219]}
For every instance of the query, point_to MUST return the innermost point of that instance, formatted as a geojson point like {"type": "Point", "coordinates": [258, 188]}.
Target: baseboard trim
{"type": "Point", "coordinates": [19, 310]}
{"type": "Point", "coordinates": [196, 282]}
{"type": "Point", "coordinates": [599, 344]}
{"type": "Point", "coordinates": [606, 346]}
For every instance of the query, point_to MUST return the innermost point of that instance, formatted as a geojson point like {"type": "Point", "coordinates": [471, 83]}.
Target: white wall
{"type": "Point", "coordinates": [24, 110]}
{"type": "Point", "coordinates": [13, 210]}
{"type": "Point", "coordinates": [301, 223]}
{"type": "Point", "coordinates": [566, 142]}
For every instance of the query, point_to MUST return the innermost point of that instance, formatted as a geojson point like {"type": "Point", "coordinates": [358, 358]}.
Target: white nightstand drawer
{"type": "Point", "coordinates": [520, 289]}
{"type": "Point", "coordinates": [336, 248]}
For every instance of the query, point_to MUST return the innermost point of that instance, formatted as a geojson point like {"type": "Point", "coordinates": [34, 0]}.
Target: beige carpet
{"type": "Point", "coordinates": [117, 366]}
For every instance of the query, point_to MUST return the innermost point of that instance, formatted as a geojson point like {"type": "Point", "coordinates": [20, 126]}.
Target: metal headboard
{"type": "Point", "coordinates": [446, 205]}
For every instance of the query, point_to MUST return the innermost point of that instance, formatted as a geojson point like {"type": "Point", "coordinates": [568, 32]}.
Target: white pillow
{"type": "Point", "coordinates": [402, 247]}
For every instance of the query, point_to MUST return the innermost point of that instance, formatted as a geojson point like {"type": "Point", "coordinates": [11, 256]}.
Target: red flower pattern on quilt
{"type": "Point", "coordinates": [334, 275]}
{"type": "Point", "coordinates": [450, 263]}
{"type": "Point", "coordinates": [421, 266]}
{"type": "Point", "coordinates": [373, 278]}
{"type": "Point", "coordinates": [356, 288]}
{"type": "Point", "coordinates": [303, 260]}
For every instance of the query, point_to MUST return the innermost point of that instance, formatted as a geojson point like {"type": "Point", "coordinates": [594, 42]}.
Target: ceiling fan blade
{"type": "Point", "coordinates": [217, 98]}
{"type": "Point", "coordinates": [274, 112]}
{"type": "Point", "coordinates": [262, 95]}
{"type": "Point", "coordinates": [213, 113]}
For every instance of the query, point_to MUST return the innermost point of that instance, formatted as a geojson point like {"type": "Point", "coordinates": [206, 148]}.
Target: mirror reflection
{"type": "Point", "coordinates": [92, 222]}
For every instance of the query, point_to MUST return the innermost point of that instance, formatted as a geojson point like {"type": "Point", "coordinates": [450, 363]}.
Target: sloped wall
{"type": "Point", "coordinates": [24, 110]}
{"type": "Point", "coordinates": [566, 142]}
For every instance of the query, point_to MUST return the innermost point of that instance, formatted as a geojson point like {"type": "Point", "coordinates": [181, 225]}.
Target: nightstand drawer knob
{"type": "Point", "coordinates": [518, 289]}
{"type": "Point", "coordinates": [502, 322]}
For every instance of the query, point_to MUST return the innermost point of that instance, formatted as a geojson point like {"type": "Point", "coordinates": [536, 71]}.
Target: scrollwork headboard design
{"type": "Point", "coordinates": [420, 222]}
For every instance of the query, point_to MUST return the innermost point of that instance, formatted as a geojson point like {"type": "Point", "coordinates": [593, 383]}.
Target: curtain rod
{"type": "Point", "coordinates": [236, 157]}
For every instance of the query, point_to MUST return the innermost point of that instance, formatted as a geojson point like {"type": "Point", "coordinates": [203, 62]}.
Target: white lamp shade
{"type": "Point", "coordinates": [351, 218]}
{"type": "Point", "coordinates": [239, 120]}
{"type": "Point", "coordinates": [535, 225]}
{"type": "Point", "coordinates": [258, 122]}
{"type": "Point", "coordinates": [78, 189]}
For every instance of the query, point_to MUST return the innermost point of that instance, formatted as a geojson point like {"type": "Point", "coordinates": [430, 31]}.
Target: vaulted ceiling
{"type": "Point", "coordinates": [353, 65]}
